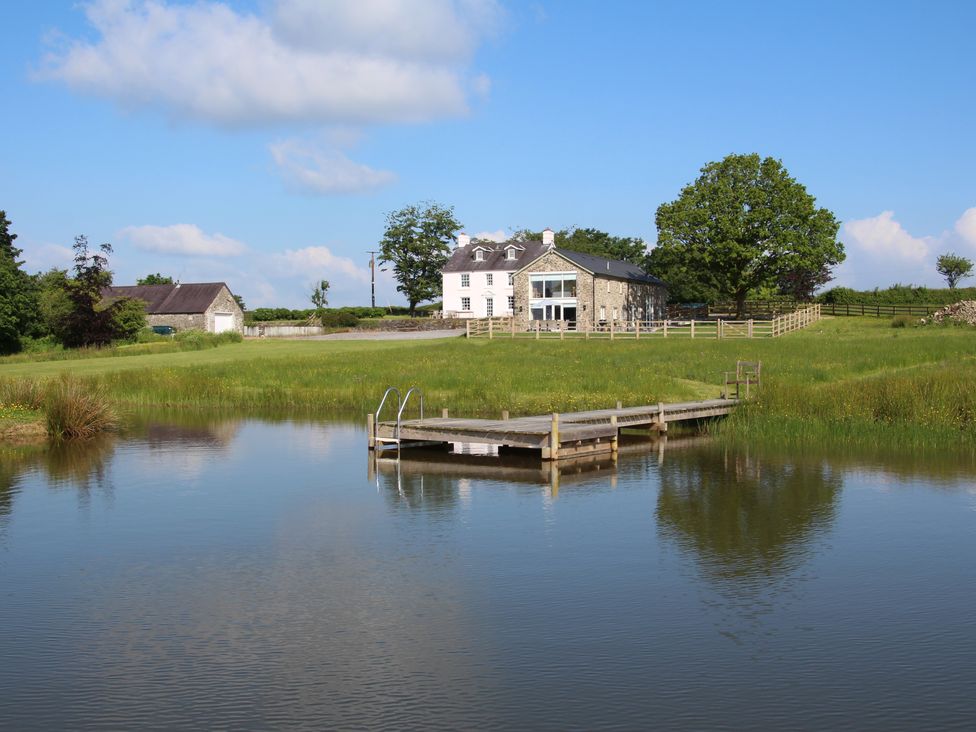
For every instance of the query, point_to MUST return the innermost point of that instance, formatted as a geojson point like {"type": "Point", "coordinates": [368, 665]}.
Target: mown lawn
{"type": "Point", "coordinates": [855, 379]}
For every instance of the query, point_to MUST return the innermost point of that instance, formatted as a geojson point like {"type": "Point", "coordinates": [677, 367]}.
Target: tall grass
{"type": "Point", "coordinates": [844, 380]}
{"type": "Point", "coordinates": [76, 409]}
{"type": "Point", "coordinates": [188, 340]}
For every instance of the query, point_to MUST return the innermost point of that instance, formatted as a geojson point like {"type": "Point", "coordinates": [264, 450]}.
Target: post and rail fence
{"type": "Point", "coordinates": [778, 307]}
{"type": "Point", "coordinates": [717, 328]}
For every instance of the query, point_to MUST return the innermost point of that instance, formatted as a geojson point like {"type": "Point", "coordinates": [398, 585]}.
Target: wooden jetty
{"type": "Point", "coordinates": [557, 436]}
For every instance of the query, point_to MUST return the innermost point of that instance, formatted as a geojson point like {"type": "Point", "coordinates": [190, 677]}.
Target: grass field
{"type": "Point", "coordinates": [850, 379]}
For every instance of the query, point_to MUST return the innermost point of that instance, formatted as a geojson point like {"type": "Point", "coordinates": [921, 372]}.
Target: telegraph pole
{"type": "Point", "coordinates": [372, 276]}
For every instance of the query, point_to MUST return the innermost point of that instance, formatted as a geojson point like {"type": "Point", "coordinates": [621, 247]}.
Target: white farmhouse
{"type": "Point", "coordinates": [477, 279]}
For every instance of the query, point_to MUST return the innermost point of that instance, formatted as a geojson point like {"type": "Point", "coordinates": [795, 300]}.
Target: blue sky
{"type": "Point", "coordinates": [262, 143]}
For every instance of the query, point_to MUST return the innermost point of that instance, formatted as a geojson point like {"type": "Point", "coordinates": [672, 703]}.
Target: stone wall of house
{"type": "Point", "coordinates": [225, 303]}
{"type": "Point", "coordinates": [180, 321]}
{"type": "Point", "coordinates": [629, 298]}
{"type": "Point", "coordinates": [552, 262]}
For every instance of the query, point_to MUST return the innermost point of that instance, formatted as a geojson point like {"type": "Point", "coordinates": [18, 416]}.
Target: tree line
{"type": "Point", "coordinates": [745, 228]}
{"type": "Point", "coordinates": [65, 306]}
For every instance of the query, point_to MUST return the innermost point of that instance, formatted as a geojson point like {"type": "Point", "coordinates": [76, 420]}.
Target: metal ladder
{"type": "Point", "coordinates": [401, 405]}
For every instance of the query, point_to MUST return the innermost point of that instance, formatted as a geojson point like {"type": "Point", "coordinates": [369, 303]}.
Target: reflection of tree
{"type": "Point", "coordinates": [82, 463]}
{"type": "Point", "coordinates": [742, 516]}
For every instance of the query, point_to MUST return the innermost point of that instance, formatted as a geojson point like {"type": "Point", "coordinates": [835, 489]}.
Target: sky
{"type": "Point", "coordinates": [263, 143]}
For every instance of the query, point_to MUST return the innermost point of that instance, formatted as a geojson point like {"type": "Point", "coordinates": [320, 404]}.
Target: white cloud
{"type": "Point", "coordinates": [45, 256]}
{"type": "Point", "coordinates": [313, 263]}
{"type": "Point", "coordinates": [433, 30]}
{"type": "Point", "coordinates": [308, 169]}
{"type": "Point", "coordinates": [883, 236]}
{"type": "Point", "coordinates": [966, 226]}
{"type": "Point", "coordinates": [308, 61]}
{"type": "Point", "coordinates": [498, 236]}
{"type": "Point", "coordinates": [181, 239]}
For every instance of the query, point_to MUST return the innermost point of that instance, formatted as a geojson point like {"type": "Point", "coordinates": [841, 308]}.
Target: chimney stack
{"type": "Point", "coordinates": [548, 237]}
{"type": "Point", "coordinates": [463, 239]}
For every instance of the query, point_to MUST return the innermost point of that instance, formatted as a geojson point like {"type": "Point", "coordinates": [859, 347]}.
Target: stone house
{"type": "Point", "coordinates": [208, 306]}
{"type": "Point", "coordinates": [584, 289]}
{"type": "Point", "coordinates": [477, 279]}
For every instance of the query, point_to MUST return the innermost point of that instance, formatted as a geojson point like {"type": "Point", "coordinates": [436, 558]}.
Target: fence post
{"type": "Point", "coordinates": [491, 333]}
{"type": "Point", "coordinates": [718, 328]}
{"type": "Point", "coordinates": [513, 325]}
{"type": "Point", "coordinates": [637, 330]}
{"type": "Point", "coordinates": [750, 328]}
{"type": "Point", "coordinates": [611, 330]}
{"type": "Point", "coordinates": [537, 330]}
{"type": "Point", "coordinates": [665, 328]}
{"type": "Point", "coordinates": [562, 327]}
{"type": "Point", "coordinates": [692, 327]}
{"type": "Point", "coordinates": [467, 328]}
{"type": "Point", "coordinates": [586, 329]}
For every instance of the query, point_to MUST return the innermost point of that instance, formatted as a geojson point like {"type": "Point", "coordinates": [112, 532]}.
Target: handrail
{"type": "Point", "coordinates": [379, 409]}
{"type": "Point", "coordinates": [403, 406]}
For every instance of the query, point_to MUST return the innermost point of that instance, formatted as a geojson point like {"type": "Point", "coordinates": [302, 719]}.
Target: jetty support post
{"type": "Point", "coordinates": [444, 414]}
{"type": "Point", "coordinates": [662, 425]}
{"type": "Point", "coordinates": [615, 440]}
{"type": "Point", "coordinates": [504, 414]}
{"type": "Point", "coordinates": [371, 430]}
{"type": "Point", "coordinates": [553, 451]}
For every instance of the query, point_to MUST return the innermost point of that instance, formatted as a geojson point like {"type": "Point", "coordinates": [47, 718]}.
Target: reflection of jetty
{"type": "Point", "coordinates": [557, 436]}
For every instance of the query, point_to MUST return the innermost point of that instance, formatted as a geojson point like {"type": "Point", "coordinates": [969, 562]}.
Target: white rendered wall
{"type": "Point", "coordinates": [479, 291]}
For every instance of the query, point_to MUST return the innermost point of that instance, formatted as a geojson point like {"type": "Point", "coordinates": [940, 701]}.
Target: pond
{"type": "Point", "coordinates": [248, 574]}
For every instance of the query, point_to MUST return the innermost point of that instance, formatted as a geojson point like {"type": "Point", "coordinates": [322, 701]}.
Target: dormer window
{"type": "Point", "coordinates": [510, 254]}
{"type": "Point", "coordinates": [479, 255]}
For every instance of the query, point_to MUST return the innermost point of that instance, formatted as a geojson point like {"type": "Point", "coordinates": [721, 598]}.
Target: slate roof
{"type": "Point", "coordinates": [616, 268]}
{"type": "Point", "coordinates": [462, 259]}
{"type": "Point", "coordinates": [170, 299]}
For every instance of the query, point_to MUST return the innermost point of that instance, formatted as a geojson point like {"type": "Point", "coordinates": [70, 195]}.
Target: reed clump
{"type": "Point", "coordinates": [77, 409]}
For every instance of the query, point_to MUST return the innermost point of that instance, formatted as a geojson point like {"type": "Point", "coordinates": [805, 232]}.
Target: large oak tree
{"type": "Point", "coordinates": [417, 242]}
{"type": "Point", "coordinates": [745, 223]}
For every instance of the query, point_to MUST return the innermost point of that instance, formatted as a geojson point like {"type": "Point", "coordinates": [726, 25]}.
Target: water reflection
{"type": "Point", "coordinates": [243, 574]}
{"type": "Point", "coordinates": [742, 515]}
{"type": "Point", "coordinates": [435, 479]}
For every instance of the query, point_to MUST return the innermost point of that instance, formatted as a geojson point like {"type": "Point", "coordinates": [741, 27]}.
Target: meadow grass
{"type": "Point", "coordinates": [844, 380]}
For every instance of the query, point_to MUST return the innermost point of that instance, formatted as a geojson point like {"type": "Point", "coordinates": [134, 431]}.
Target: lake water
{"type": "Point", "coordinates": [252, 574]}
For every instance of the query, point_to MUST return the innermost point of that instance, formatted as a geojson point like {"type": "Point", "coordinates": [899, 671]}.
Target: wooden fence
{"type": "Point", "coordinates": [508, 327]}
{"type": "Point", "coordinates": [777, 307]}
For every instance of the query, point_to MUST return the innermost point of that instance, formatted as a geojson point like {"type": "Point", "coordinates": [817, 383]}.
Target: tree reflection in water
{"type": "Point", "coordinates": [744, 516]}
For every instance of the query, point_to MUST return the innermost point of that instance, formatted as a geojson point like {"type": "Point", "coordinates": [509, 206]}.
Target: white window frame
{"type": "Point", "coordinates": [608, 286]}
{"type": "Point", "coordinates": [511, 279]}
{"type": "Point", "coordinates": [479, 255]}
{"type": "Point", "coordinates": [489, 306]}
{"type": "Point", "coordinates": [465, 304]}
{"type": "Point", "coordinates": [489, 279]}
{"type": "Point", "coordinates": [603, 312]}
{"type": "Point", "coordinates": [511, 303]}
{"type": "Point", "coordinates": [510, 254]}
{"type": "Point", "coordinates": [465, 280]}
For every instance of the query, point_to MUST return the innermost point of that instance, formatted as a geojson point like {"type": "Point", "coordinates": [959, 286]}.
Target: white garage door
{"type": "Point", "coordinates": [223, 322]}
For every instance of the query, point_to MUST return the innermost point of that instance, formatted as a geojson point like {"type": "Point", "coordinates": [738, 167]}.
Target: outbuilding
{"type": "Point", "coordinates": [207, 306]}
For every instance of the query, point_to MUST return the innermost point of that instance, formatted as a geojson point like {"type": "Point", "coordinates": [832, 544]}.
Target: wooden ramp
{"type": "Point", "coordinates": [557, 436]}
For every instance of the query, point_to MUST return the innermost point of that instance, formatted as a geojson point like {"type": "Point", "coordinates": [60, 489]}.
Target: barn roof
{"type": "Point", "coordinates": [170, 299]}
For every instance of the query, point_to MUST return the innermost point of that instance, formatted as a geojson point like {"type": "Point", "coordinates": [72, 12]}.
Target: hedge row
{"type": "Point", "coordinates": [897, 295]}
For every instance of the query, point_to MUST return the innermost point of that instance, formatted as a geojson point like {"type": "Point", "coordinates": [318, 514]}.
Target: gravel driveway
{"type": "Point", "coordinates": [388, 335]}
